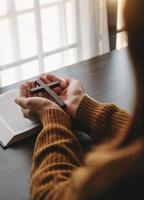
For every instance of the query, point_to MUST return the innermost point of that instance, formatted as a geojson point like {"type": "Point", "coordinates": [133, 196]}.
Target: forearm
{"type": "Point", "coordinates": [57, 153]}
{"type": "Point", "coordinates": [100, 120]}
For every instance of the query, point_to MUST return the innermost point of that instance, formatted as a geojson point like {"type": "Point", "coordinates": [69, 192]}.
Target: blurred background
{"type": "Point", "coordinates": [38, 36]}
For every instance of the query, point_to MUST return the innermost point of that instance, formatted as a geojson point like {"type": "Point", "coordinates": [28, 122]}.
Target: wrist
{"type": "Point", "coordinates": [74, 104]}
{"type": "Point", "coordinates": [47, 108]}
{"type": "Point", "coordinates": [55, 116]}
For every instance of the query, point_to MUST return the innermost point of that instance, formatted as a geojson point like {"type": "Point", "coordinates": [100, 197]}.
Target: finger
{"type": "Point", "coordinates": [24, 111]}
{"type": "Point", "coordinates": [23, 90]}
{"type": "Point", "coordinates": [27, 113]}
{"type": "Point", "coordinates": [53, 78]}
{"type": "Point", "coordinates": [44, 79]}
{"type": "Point", "coordinates": [22, 101]}
{"type": "Point", "coordinates": [57, 90]}
{"type": "Point", "coordinates": [28, 87]}
{"type": "Point", "coordinates": [33, 85]}
{"type": "Point", "coordinates": [68, 80]}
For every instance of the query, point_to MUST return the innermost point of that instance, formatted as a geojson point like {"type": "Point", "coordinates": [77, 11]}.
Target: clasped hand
{"type": "Point", "coordinates": [70, 91]}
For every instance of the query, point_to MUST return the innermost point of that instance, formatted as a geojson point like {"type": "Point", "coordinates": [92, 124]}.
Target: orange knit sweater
{"type": "Point", "coordinates": [61, 171]}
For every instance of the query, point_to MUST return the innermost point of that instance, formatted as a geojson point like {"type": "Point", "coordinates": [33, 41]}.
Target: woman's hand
{"type": "Point", "coordinates": [72, 95]}
{"type": "Point", "coordinates": [70, 91]}
{"type": "Point", "coordinates": [33, 106]}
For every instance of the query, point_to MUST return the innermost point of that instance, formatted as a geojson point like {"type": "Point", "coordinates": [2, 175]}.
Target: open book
{"type": "Point", "coordinates": [13, 126]}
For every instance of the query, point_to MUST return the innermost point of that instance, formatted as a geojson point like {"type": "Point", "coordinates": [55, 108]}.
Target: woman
{"type": "Point", "coordinates": [114, 168]}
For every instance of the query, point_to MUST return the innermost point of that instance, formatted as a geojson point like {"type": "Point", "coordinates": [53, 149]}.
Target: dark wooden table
{"type": "Point", "coordinates": [107, 78]}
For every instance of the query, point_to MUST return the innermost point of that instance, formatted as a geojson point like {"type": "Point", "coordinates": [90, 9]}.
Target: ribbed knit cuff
{"type": "Point", "coordinates": [55, 116]}
{"type": "Point", "coordinates": [86, 110]}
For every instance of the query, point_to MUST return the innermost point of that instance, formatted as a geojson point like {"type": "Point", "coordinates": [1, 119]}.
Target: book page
{"type": "Point", "coordinates": [11, 115]}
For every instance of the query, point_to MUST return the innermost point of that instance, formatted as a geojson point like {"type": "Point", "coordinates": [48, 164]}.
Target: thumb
{"type": "Point", "coordinates": [21, 101]}
{"type": "Point", "coordinates": [68, 80]}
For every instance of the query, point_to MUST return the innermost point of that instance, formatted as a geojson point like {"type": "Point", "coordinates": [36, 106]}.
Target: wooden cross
{"type": "Point", "coordinates": [48, 89]}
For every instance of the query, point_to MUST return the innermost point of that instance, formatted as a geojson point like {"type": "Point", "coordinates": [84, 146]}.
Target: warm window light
{"type": "Point", "coordinates": [35, 37]}
{"type": "Point", "coordinates": [121, 36]}
{"type": "Point", "coordinates": [120, 22]}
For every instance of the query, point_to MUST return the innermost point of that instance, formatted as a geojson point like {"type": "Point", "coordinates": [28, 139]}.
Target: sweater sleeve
{"type": "Point", "coordinates": [57, 153]}
{"type": "Point", "coordinates": [102, 121]}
